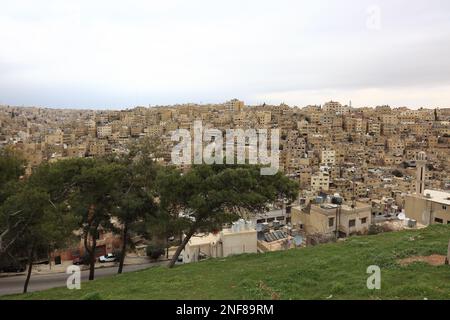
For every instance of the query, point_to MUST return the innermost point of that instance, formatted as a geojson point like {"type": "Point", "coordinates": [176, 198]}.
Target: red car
{"type": "Point", "coordinates": [80, 260]}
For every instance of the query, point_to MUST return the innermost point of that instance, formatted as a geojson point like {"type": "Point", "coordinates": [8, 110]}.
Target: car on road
{"type": "Point", "coordinates": [80, 260]}
{"type": "Point", "coordinates": [110, 257]}
{"type": "Point", "coordinates": [12, 266]}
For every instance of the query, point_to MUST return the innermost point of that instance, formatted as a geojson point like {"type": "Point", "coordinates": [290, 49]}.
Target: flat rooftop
{"type": "Point", "coordinates": [438, 196]}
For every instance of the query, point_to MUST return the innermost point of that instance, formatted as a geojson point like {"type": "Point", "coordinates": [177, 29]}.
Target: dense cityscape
{"type": "Point", "coordinates": [364, 159]}
{"type": "Point", "coordinates": [223, 156]}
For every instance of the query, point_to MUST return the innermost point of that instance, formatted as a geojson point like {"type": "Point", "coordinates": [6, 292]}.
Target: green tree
{"type": "Point", "coordinates": [93, 202]}
{"type": "Point", "coordinates": [87, 188]}
{"type": "Point", "coordinates": [133, 205]}
{"type": "Point", "coordinates": [12, 167]}
{"type": "Point", "coordinates": [164, 225]}
{"type": "Point", "coordinates": [44, 226]}
{"type": "Point", "coordinates": [134, 197]}
{"type": "Point", "coordinates": [212, 195]}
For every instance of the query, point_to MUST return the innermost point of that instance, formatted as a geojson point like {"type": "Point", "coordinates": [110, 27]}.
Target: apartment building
{"type": "Point", "coordinates": [430, 208]}
{"type": "Point", "coordinates": [333, 219]}
{"type": "Point", "coordinates": [320, 181]}
{"type": "Point", "coordinates": [104, 131]}
{"type": "Point", "coordinates": [328, 157]}
{"type": "Point", "coordinates": [335, 107]}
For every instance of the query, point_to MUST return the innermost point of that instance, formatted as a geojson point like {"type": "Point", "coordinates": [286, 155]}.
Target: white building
{"type": "Point", "coordinates": [241, 238]}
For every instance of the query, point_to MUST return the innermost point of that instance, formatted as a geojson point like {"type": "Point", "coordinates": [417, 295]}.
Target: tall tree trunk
{"type": "Point", "coordinates": [181, 247]}
{"type": "Point", "coordinates": [124, 247]}
{"type": "Point", "coordinates": [30, 267]}
{"type": "Point", "coordinates": [167, 248]}
{"type": "Point", "coordinates": [92, 256]}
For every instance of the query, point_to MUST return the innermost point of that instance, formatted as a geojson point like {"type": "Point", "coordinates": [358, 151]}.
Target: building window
{"type": "Point", "coordinates": [260, 220]}
{"type": "Point", "coordinates": [351, 223]}
{"type": "Point", "coordinates": [444, 207]}
{"type": "Point", "coordinates": [270, 219]}
{"type": "Point", "coordinates": [330, 222]}
{"type": "Point", "coordinates": [363, 220]}
{"type": "Point", "coordinates": [438, 220]}
{"type": "Point", "coordinates": [281, 218]}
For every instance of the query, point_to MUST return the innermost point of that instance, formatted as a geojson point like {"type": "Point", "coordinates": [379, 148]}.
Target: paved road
{"type": "Point", "coordinates": [14, 284]}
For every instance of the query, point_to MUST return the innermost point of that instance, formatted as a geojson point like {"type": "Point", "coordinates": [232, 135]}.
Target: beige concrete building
{"type": "Point", "coordinates": [328, 157]}
{"type": "Point", "coordinates": [335, 107]}
{"type": "Point", "coordinates": [320, 181]}
{"type": "Point", "coordinates": [104, 131]}
{"type": "Point", "coordinates": [430, 208]}
{"type": "Point", "coordinates": [226, 243]}
{"type": "Point", "coordinates": [329, 219]}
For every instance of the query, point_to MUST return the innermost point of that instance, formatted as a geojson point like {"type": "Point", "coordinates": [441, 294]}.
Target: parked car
{"type": "Point", "coordinates": [12, 266]}
{"type": "Point", "coordinates": [110, 257]}
{"type": "Point", "coordinates": [80, 260]}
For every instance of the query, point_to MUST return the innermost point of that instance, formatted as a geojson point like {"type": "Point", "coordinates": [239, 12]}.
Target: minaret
{"type": "Point", "coordinates": [421, 161]}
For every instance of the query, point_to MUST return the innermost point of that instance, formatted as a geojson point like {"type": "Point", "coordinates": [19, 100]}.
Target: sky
{"type": "Point", "coordinates": [118, 54]}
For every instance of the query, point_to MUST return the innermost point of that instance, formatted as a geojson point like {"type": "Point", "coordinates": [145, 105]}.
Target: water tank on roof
{"type": "Point", "coordinates": [336, 200]}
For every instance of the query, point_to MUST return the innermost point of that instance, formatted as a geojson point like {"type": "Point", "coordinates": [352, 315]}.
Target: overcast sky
{"type": "Point", "coordinates": [117, 54]}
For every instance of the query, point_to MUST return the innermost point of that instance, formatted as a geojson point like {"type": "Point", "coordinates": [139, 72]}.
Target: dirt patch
{"type": "Point", "coordinates": [434, 260]}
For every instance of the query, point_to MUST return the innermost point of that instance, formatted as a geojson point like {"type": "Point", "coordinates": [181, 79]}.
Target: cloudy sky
{"type": "Point", "coordinates": [115, 54]}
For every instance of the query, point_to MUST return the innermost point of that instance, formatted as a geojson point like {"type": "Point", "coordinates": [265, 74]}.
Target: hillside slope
{"type": "Point", "coordinates": [330, 271]}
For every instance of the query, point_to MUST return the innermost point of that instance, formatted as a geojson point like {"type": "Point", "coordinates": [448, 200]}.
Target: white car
{"type": "Point", "coordinates": [108, 258]}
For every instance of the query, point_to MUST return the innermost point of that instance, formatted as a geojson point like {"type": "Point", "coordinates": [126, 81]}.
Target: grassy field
{"type": "Point", "coordinates": [330, 271]}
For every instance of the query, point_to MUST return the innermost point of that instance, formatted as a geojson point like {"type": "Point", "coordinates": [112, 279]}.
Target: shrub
{"type": "Point", "coordinates": [375, 229]}
{"type": "Point", "coordinates": [154, 252]}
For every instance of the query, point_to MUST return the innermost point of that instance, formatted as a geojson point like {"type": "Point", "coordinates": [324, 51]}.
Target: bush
{"type": "Point", "coordinates": [154, 252]}
{"type": "Point", "coordinates": [375, 229]}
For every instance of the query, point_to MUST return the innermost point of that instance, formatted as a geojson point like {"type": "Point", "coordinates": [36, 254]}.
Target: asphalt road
{"type": "Point", "coordinates": [14, 284]}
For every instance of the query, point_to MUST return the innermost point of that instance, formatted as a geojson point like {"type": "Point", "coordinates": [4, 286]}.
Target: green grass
{"type": "Point", "coordinates": [330, 271]}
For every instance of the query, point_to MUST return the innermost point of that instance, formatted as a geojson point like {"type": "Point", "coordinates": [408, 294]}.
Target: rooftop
{"type": "Point", "coordinates": [438, 196]}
